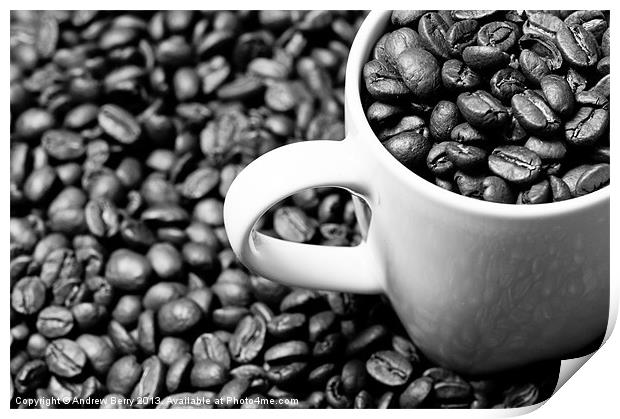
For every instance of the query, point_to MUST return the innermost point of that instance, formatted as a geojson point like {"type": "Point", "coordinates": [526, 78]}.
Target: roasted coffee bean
{"type": "Point", "coordinates": [465, 157]}
{"type": "Point", "coordinates": [558, 94]}
{"type": "Point", "coordinates": [544, 48]}
{"type": "Point", "coordinates": [151, 384]}
{"type": "Point", "coordinates": [412, 124]}
{"type": "Point", "coordinates": [451, 391]}
{"type": "Point", "coordinates": [482, 110]}
{"type": "Point", "coordinates": [248, 340]}
{"type": "Point", "coordinates": [335, 395]}
{"type": "Point", "coordinates": [398, 41]}
{"type": "Point", "coordinates": [534, 114]}
{"type": "Point", "coordinates": [515, 164]}
{"type": "Point", "coordinates": [462, 34]}
{"type": "Point", "coordinates": [293, 224]}
{"type": "Point", "coordinates": [389, 368]}
{"type": "Point", "coordinates": [208, 374]}
{"type": "Point", "coordinates": [542, 24]}
{"type": "Point", "coordinates": [548, 151]}
{"type": "Point", "coordinates": [128, 270]}
{"type": "Point", "coordinates": [469, 185]}
{"type": "Point", "coordinates": [592, 179]}
{"type": "Point", "coordinates": [457, 76]}
{"type": "Point", "coordinates": [539, 193]}
{"type": "Point", "coordinates": [495, 189]}
{"type": "Point", "coordinates": [209, 346]}
{"type": "Point", "coordinates": [409, 148]}
{"type": "Point", "coordinates": [30, 376]}
{"type": "Point", "coordinates": [123, 375]}
{"type": "Point", "coordinates": [420, 72]}
{"type": "Point", "coordinates": [533, 66]}
{"type": "Point", "coordinates": [178, 316]}
{"type": "Point", "coordinates": [466, 134]}
{"type": "Point", "coordinates": [485, 58]}
{"type": "Point", "coordinates": [416, 393]}
{"type": "Point", "coordinates": [383, 82]}
{"type": "Point", "coordinates": [287, 325]}
{"type": "Point", "coordinates": [99, 353]}
{"type": "Point", "coordinates": [54, 322]}
{"type": "Point", "coordinates": [506, 83]}
{"type": "Point", "coordinates": [65, 358]}
{"type": "Point", "coordinates": [28, 295]}
{"type": "Point", "coordinates": [587, 126]}
{"type": "Point", "coordinates": [502, 35]}
{"type": "Point", "coordinates": [433, 32]}
{"type": "Point", "coordinates": [119, 124]}
{"type": "Point", "coordinates": [559, 189]}
{"type": "Point", "coordinates": [577, 45]}
{"type": "Point", "coordinates": [438, 161]}
{"type": "Point", "coordinates": [102, 218]}
{"type": "Point", "coordinates": [363, 400]}
{"type": "Point", "coordinates": [444, 118]}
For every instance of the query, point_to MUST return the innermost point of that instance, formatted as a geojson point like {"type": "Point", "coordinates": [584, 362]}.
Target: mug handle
{"type": "Point", "coordinates": [277, 175]}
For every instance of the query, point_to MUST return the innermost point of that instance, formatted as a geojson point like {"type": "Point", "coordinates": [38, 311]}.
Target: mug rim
{"type": "Point", "coordinates": [358, 55]}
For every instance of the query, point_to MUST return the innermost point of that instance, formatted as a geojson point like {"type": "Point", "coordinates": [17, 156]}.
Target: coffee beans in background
{"type": "Point", "coordinates": [127, 131]}
{"type": "Point", "coordinates": [515, 78]}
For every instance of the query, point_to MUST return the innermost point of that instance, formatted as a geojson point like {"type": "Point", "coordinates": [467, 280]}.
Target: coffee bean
{"type": "Point", "coordinates": [587, 126]}
{"type": "Point", "coordinates": [507, 82]}
{"type": "Point", "coordinates": [409, 148]}
{"type": "Point", "coordinates": [398, 41]}
{"type": "Point", "coordinates": [558, 94]}
{"type": "Point", "coordinates": [28, 295]}
{"type": "Point", "coordinates": [433, 32]}
{"type": "Point", "coordinates": [151, 384]}
{"type": "Point", "coordinates": [99, 353]}
{"type": "Point", "coordinates": [128, 270]}
{"type": "Point", "coordinates": [482, 110]}
{"type": "Point", "coordinates": [485, 58]}
{"type": "Point", "coordinates": [248, 340]}
{"type": "Point", "coordinates": [209, 346]}
{"type": "Point", "coordinates": [389, 368]}
{"type": "Point", "coordinates": [444, 118]}
{"type": "Point", "coordinates": [495, 189]}
{"type": "Point", "coordinates": [420, 72]}
{"type": "Point", "coordinates": [54, 322]}
{"type": "Point", "coordinates": [461, 35]}
{"type": "Point", "coordinates": [123, 375]}
{"type": "Point", "coordinates": [533, 113]}
{"type": "Point", "coordinates": [208, 374]}
{"type": "Point", "coordinates": [383, 82]}
{"type": "Point", "coordinates": [465, 157]}
{"type": "Point", "coordinates": [65, 358]}
{"type": "Point", "coordinates": [335, 393]}
{"type": "Point", "coordinates": [577, 45]}
{"type": "Point", "coordinates": [178, 316]}
{"type": "Point", "coordinates": [457, 76]}
{"type": "Point", "coordinates": [294, 225]}
{"type": "Point", "coordinates": [416, 393]}
{"type": "Point", "coordinates": [515, 164]}
{"type": "Point", "coordinates": [592, 179]}
{"type": "Point", "coordinates": [502, 35]}
{"type": "Point", "coordinates": [539, 193]}
{"type": "Point", "coordinates": [119, 124]}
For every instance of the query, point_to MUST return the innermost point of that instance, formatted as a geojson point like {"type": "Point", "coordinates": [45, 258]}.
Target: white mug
{"type": "Point", "coordinates": [479, 286]}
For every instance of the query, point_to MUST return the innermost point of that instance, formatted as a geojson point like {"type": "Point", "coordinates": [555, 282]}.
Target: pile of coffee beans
{"type": "Point", "coordinates": [127, 129]}
{"type": "Point", "coordinates": [502, 106]}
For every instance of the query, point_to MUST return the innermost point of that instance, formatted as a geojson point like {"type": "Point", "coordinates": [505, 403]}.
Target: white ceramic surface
{"type": "Point", "coordinates": [479, 286]}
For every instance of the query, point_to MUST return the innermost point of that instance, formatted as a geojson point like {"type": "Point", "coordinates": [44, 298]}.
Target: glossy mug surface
{"type": "Point", "coordinates": [479, 286]}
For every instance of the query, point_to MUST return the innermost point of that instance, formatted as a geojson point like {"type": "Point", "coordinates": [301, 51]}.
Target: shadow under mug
{"type": "Point", "coordinates": [479, 286]}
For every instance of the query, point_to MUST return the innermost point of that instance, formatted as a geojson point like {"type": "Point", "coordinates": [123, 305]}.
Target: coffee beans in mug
{"type": "Point", "coordinates": [505, 100]}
